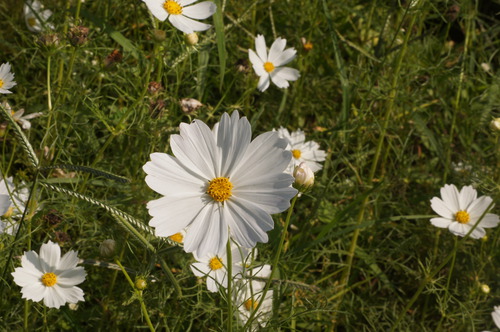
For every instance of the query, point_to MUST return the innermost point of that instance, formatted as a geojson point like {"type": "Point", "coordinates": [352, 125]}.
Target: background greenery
{"type": "Point", "coordinates": [400, 97]}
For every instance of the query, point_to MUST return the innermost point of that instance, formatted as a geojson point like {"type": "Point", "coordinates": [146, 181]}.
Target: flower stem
{"type": "Point", "coordinates": [229, 286]}
{"type": "Point", "coordinates": [139, 295]}
{"type": "Point", "coordinates": [274, 264]}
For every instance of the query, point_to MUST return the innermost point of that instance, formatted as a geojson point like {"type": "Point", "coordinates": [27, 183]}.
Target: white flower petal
{"type": "Point", "coordinates": [185, 2]}
{"type": "Point", "coordinates": [54, 297]}
{"type": "Point", "coordinates": [459, 229]}
{"type": "Point", "coordinates": [156, 8]}
{"type": "Point", "coordinates": [233, 138]}
{"type": "Point", "coordinates": [442, 209]}
{"type": "Point", "coordinates": [34, 292]}
{"type": "Point", "coordinates": [200, 11]}
{"type": "Point", "coordinates": [71, 277]}
{"type": "Point", "coordinates": [264, 83]}
{"type": "Point", "coordinates": [4, 204]}
{"type": "Point", "coordinates": [441, 222]}
{"type": "Point", "coordinates": [257, 63]}
{"type": "Point", "coordinates": [490, 220]}
{"type": "Point", "coordinates": [71, 294]}
{"type": "Point", "coordinates": [496, 316]}
{"type": "Point", "coordinates": [279, 81]}
{"type": "Point", "coordinates": [68, 261]}
{"type": "Point", "coordinates": [186, 24]}
{"type": "Point", "coordinates": [276, 50]}
{"type": "Point", "coordinates": [24, 277]}
{"type": "Point", "coordinates": [450, 196]}
{"type": "Point", "coordinates": [50, 254]}
{"type": "Point", "coordinates": [285, 57]}
{"type": "Point", "coordinates": [260, 47]}
{"type": "Point", "coordinates": [466, 197]}
{"type": "Point", "coordinates": [200, 269]}
{"type": "Point", "coordinates": [285, 73]}
{"type": "Point", "coordinates": [196, 238]}
{"type": "Point", "coordinates": [477, 208]}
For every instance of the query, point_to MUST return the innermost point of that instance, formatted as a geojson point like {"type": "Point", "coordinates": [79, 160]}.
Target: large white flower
{"type": "Point", "coordinates": [33, 13]}
{"type": "Point", "coordinates": [302, 151]}
{"type": "Point", "coordinates": [6, 78]}
{"type": "Point", "coordinates": [460, 211]}
{"type": "Point", "coordinates": [181, 15]}
{"type": "Point", "coordinates": [248, 294]}
{"type": "Point", "coordinates": [219, 182]}
{"type": "Point", "coordinates": [268, 67]}
{"type": "Point", "coordinates": [214, 267]}
{"type": "Point", "coordinates": [49, 277]}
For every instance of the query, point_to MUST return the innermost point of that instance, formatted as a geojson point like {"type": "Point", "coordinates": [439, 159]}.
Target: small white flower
{"type": "Point", "coordinates": [268, 67]}
{"type": "Point", "coordinates": [302, 151]}
{"type": "Point", "coordinates": [248, 294]}
{"type": "Point", "coordinates": [32, 12]}
{"type": "Point", "coordinates": [181, 15]}
{"type": "Point", "coordinates": [219, 184]}
{"type": "Point", "coordinates": [304, 177]}
{"type": "Point", "coordinates": [214, 267]}
{"type": "Point", "coordinates": [12, 204]}
{"type": "Point", "coordinates": [49, 277]}
{"type": "Point", "coordinates": [496, 316]}
{"type": "Point", "coordinates": [6, 78]}
{"type": "Point", "coordinates": [460, 211]}
{"type": "Point", "coordinates": [19, 118]}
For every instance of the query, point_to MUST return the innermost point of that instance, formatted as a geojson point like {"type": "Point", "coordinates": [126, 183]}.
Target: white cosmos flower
{"type": "Point", "coordinates": [302, 151]}
{"type": "Point", "coordinates": [12, 205]}
{"type": "Point", "coordinates": [6, 78]}
{"type": "Point", "coordinates": [19, 118]}
{"type": "Point", "coordinates": [460, 211]}
{"type": "Point", "coordinates": [496, 316]}
{"type": "Point", "coordinates": [33, 13]}
{"type": "Point", "coordinates": [219, 183]}
{"type": "Point", "coordinates": [248, 294]}
{"type": "Point", "coordinates": [49, 277]}
{"type": "Point", "coordinates": [214, 267]}
{"type": "Point", "coordinates": [181, 15]}
{"type": "Point", "coordinates": [268, 67]}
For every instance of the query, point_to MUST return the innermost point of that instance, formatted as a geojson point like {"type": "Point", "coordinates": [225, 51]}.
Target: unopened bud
{"type": "Point", "coordinates": [485, 289]}
{"type": "Point", "coordinates": [495, 124]}
{"type": "Point", "coordinates": [141, 284]}
{"type": "Point", "coordinates": [192, 38]}
{"type": "Point", "coordinates": [304, 177]}
{"type": "Point", "coordinates": [73, 306]}
{"type": "Point", "coordinates": [107, 248]}
{"type": "Point", "coordinates": [159, 35]}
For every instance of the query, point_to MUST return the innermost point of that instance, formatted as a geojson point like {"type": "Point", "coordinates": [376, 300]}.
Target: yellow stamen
{"type": "Point", "coordinates": [32, 21]}
{"type": "Point", "coordinates": [9, 212]}
{"type": "Point", "coordinates": [462, 217]}
{"type": "Point", "coordinates": [49, 279]}
{"type": "Point", "coordinates": [1, 83]}
{"type": "Point", "coordinates": [220, 189]}
{"type": "Point", "coordinates": [172, 7]}
{"type": "Point", "coordinates": [177, 237]}
{"type": "Point", "coordinates": [215, 263]}
{"type": "Point", "coordinates": [308, 46]}
{"type": "Point", "coordinates": [296, 154]}
{"type": "Point", "coordinates": [268, 66]}
{"type": "Point", "coordinates": [251, 304]}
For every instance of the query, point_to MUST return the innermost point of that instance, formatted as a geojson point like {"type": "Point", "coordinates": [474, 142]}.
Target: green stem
{"type": "Point", "coordinates": [450, 273]}
{"type": "Point", "coordinates": [229, 286]}
{"type": "Point", "coordinates": [139, 295]}
{"type": "Point", "coordinates": [274, 264]}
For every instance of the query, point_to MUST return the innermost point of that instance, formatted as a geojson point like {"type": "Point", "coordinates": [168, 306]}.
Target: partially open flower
{"type": "Point", "coordinates": [304, 177]}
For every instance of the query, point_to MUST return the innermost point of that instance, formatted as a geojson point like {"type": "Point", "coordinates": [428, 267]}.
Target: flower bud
{"type": "Point", "coordinates": [141, 284]}
{"type": "Point", "coordinates": [304, 177]}
{"type": "Point", "coordinates": [189, 105]}
{"type": "Point", "coordinates": [78, 35]}
{"type": "Point", "coordinates": [159, 35]}
{"type": "Point", "coordinates": [192, 38]}
{"type": "Point", "coordinates": [485, 289]}
{"type": "Point", "coordinates": [495, 124]}
{"type": "Point", "coordinates": [107, 248]}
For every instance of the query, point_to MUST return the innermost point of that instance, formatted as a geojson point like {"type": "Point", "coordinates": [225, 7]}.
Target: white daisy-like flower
{"type": "Point", "coordinates": [6, 78]}
{"type": "Point", "coordinates": [268, 67]}
{"type": "Point", "coordinates": [248, 294]}
{"type": "Point", "coordinates": [214, 267]}
{"type": "Point", "coordinates": [496, 315]}
{"type": "Point", "coordinates": [219, 183]}
{"type": "Point", "coordinates": [302, 151]}
{"type": "Point", "coordinates": [19, 118]}
{"type": "Point", "coordinates": [33, 13]}
{"type": "Point", "coordinates": [460, 210]}
{"type": "Point", "coordinates": [50, 277]}
{"type": "Point", "coordinates": [181, 15]}
{"type": "Point", "coordinates": [12, 205]}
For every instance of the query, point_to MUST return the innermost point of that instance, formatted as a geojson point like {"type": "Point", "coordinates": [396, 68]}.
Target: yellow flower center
{"type": "Point", "coordinates": [9, 212]}
{"type": "Point", "coordinates": [308, 46]}
{"type": "Point", "coordinates": [462, 217]}
{"type": "Point", "coordinates": [32, 21]}
{"type": "Point", "coordinates": [172, 7]}
{"type": "Point", "coordinates": [1, 83]}
{"type": "Point", "coordinates": [215, 263]}
{"type": "Point", "coordinates": [251, 304]}
{"type": "Point", "coordinates": [49, 279]}
{"type": "Point", "coordinates": [177, 237]}
{"type": "Point", "coordinates": [296, 154]}
{"type": "Point", "coordinates": [220, 189]}
{"type": "Point", "coordinates": [268, 66]}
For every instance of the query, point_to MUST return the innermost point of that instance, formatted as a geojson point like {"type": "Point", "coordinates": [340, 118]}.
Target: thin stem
{"type": "Point", "coordinates": [49, 94]}
{"type": "Point", "coordinates": [274, 264]}
{"type": "Point", "coordinates": [450, 273]}
{"type": "Point", "coordinates": [139, 295]}
{"type": "Point", "coordinates": [229, 286]}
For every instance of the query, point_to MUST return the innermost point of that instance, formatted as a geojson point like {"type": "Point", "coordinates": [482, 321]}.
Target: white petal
{"type": "Point", "coordinates": [285, 73]}
{"type": "Point", "coordinates": [450, 196]}
{"type": "Point", "coordinates": [34, 292]}
{"type": "Point", "coordinates": [185, 2]}
{"type": "Point", "coordinates": [285, 57]}
{"type": "Point", "coordinates": [156, 8]}
{"type": "Point", "coordinates": [196, 149]}
{"type": "Point", "coordinates": [200, 269]}
{"type": "Point", "coordinates": [466, 197]}
{"type": "Point", "coordinates": [187, 25]}
{"type": "Point", "coordinates": [496, 316]}
{"type": "Point", "coordinates": [54, 297]}
{"type": "Point", "coordinates": [441, 222]}
{"type": "Point", "coordinates": [257, 63]}
{"type": "Point", "coordinates": [233, 138]}
{"type": "Point", "coordinates": [50, 254]}
{"type": "Point", "coordinates": [24, 277]}
{"type": "Point", "coordinates": [4, 204]}
{"type": "Point", "coordinates": [71, 277]}
{"type": "Point", "coordinates": [200, 11]}
{"type": "Point", "coordinates": [442, 209]}
{"type": "Point", "coordinates": [73, 294]}
{"type": "Point", "coordinates": [68, 261]}
{"type": "Point", "coordinates": [25, 124]}
{"type": "Point", "coordinates": [260, 47]}
{"type": "Point", "coordinates": [477, 208]}
{"type": "Point", "coordinates": [276, 50]}
{"type": "Point", "coordinates": [490, 220]}
{"type": "Point", "coordinates": [279, 81]}
{"type": "Point", "coordinates": [264, 82]}
{"type": "Point", "coordinates": [212, 285]}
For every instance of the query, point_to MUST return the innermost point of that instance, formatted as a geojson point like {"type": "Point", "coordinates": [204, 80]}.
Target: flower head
{"type": "Point", "coordinates": [460, 210]}
{"type": "Point", "coordinates": [219, 183]}
{"type": "Point", "coordinates": [33, 13]}
{"type": "Point", "coordinates": [214, 266]}
{"type": "Point", "coordinates": [304, 177]}
{"type": "Point", "coordinates": [181, 15]}
{"type": "Point", "coordinates": [12, 204]}
{"type": "Point", "coordinates": [302, 151]}
{"type": "Point", "coordinates": [269, 67]}
{"type": "Point", "coordinates": [49, 277]}
{"type": "Point", "coordinates": [18, 116]}
{"type": "Point", "coordinates": [6, 78]}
